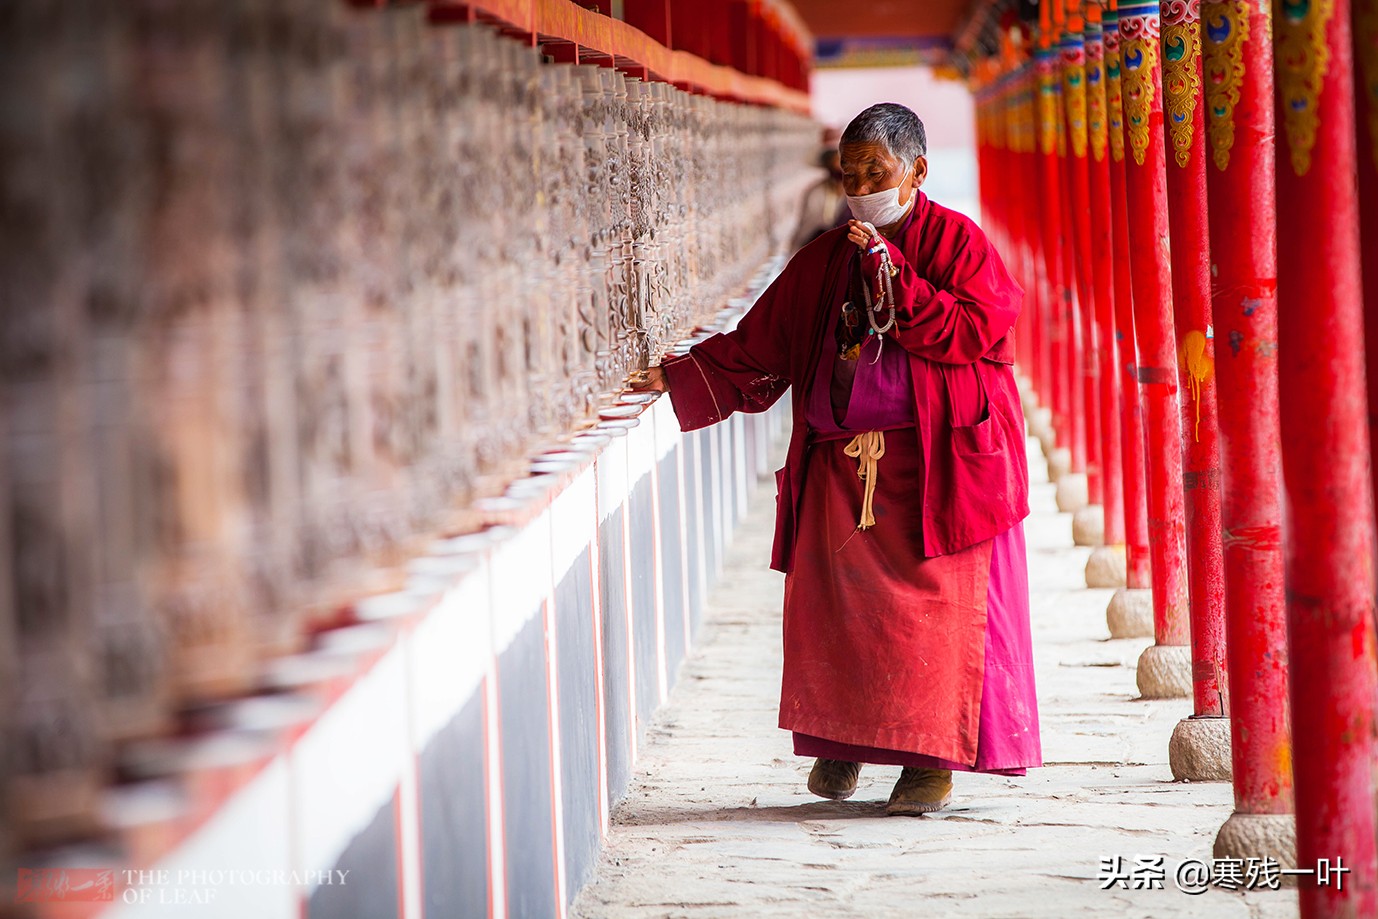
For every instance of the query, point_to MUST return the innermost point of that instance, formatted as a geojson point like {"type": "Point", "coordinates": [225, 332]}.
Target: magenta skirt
{"type": "Point", "coordinates": [1008, 738]}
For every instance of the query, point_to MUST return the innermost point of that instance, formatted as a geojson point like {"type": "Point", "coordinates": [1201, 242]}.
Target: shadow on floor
{"type": "Point", "coordinates": [796, 813]}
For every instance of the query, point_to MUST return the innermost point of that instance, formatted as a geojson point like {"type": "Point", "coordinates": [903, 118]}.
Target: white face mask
{"type": "Point", "coordinates": [881, 208]}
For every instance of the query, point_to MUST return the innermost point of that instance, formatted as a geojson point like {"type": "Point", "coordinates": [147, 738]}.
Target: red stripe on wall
{"type": "Point", "coordinates": [596, 605]}
{"type": "Point", "coordinates": [552, 712]}
{"type": "Point", "coordinates": [398, 832]}
{"type": "Point", "coordinates": [492, 747]}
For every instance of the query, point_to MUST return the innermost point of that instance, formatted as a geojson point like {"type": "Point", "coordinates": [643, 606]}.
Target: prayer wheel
{"type": "Point", "coordinates": [291, 287]}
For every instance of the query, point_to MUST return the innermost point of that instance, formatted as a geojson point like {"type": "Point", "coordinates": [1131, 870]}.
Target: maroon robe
{"type": "Point", "coordinates": [959, 481]}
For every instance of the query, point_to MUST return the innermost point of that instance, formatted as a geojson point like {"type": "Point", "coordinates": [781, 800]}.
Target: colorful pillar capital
{"type": "Point", "coordinates": [1140, 35]}
{"type": "Point", "coordinates": [1227, 29]}
{"type": "Point", "coordinates": [1181, 73]}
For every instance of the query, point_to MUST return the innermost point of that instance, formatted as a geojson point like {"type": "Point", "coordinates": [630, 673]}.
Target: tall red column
{"type": "Point", "coordinates": [1240, 179]}
{"type": "Point", "coordinates": [1366, 102]}
{"type": "Point", "coordinates": [1164, 669]}
{"type": "Point", "coordinates": [1138, 576]}
{"type": "Point", "coordinates": [1032, 172]}
{"type": "Point", "coordinates": [1185, 123]}
{"type": "Point", "coordinates": [1106, 567]}
{"type": "Point", "coordinates": [1069, 307]}
{"type": "Point", "coordinates": [1017, 190]}
{"type": "Point", "coordinates": [1073, 494]}
{"type": "Point", "coordinates": [1026, 340]}
{"type": "Point", "coordinates": [1325, 457]}
{"type": "Point", "coordinates": [1050, 188]}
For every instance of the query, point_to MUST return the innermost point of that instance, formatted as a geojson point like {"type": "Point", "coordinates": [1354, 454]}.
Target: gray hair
{"type": "Point", "coordinates": [891, 125]}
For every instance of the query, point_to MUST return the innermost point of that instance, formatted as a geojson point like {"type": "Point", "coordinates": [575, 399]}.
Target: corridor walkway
{"type": "Point", "coordinates": [718, 823]}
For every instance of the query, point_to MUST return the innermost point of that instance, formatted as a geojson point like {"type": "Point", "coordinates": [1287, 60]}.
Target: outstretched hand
{"type": "Point", "coordinates": [650, 380]}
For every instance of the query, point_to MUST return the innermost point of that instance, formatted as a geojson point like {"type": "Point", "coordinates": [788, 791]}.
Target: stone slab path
{"type": "Point", "coordinates": [718, 823]}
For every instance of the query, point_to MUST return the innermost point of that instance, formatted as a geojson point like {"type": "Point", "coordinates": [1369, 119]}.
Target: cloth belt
{"type": "Point", "coordinates": [867, 449]}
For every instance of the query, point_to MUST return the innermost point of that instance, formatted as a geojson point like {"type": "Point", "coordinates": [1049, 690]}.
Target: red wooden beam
{"type": "Point", "coordinates": [596, 34]}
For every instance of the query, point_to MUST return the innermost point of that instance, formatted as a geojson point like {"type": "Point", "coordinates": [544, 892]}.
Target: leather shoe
{"type": "Point", "coordinates": [920, 791]}
{"type": "Point", "coordinates": [833, 778]}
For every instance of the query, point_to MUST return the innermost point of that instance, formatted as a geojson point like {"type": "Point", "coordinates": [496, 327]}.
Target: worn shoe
{"type": "Point", "coordinates": [833, 778]}
{"type": "Point", "coordinates": [920, 791]}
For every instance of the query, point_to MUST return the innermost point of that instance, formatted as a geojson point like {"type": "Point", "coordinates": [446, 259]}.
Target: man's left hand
{"type": "Point", "coordinates": [860, 234]}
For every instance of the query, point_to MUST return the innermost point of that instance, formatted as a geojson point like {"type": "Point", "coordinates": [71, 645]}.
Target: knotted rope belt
{"type": "Point", "coordinates": [867, 449]}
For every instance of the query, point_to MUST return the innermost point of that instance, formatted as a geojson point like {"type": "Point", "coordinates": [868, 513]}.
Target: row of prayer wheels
{"type": "Point", "coordinates": [288, 287]}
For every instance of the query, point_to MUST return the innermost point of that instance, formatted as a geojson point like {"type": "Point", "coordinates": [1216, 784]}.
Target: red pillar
{"type": "Point", "coordinates": [744, 25]}
{"type": "Point", "coordinates": [651, 17]}
{"type": "Point", "coordinates": [1325, 455]}
{"type": "Point", "coordinates": [688, 28]}
{"type": "Point", "coordinates": [1013, 253]}
{"type": "Point", "coordinates": [1137, 556]}
{"type": "Point", "coordinates": [1073, 58]}
{"type": "Point", "coordinates": [720, 24]}
{"type": "Point", "coordinates": [1031, 162]}
{"type": "Point", "coordinates": [1023, 181]}
{"type": "Point", "coordinates": [1068, 303]}
{"type": "Point", "coordinates": [1238, 65]}
{"type": "Point", "coordinates": [1366, 102]}
{"type": "Point", "coordinates": [1103, 280]}
{"type": "Point", "coordinates": [1050, 203]}
{"type": "Point", "coordinates": [1027, 210]}
{"type": "Point", "coordinates": [1146, 188]}
{"type": "Point", "coordinates": [1191, 299]}
{"type": "Point", "coordinates": [1021, 224]}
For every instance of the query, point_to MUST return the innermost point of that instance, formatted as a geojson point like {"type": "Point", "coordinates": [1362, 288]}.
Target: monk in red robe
{"type": "Point", "coordinates": [906, 612]}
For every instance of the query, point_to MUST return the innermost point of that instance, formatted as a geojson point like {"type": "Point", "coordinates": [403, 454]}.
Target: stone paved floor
{"type": "Point", "coordinates": [718, 822]}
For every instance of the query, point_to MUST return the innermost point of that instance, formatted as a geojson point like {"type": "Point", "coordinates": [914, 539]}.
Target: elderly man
{"type": "Point", "coordinates": [906, 612]}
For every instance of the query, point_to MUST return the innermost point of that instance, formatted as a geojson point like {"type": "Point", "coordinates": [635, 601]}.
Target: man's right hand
{"type": "Point", "coordinates": [654, 381]}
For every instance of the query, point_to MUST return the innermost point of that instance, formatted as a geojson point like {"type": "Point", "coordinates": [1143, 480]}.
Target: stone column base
{"type": "Point", "coordinates": [1130, 613]}
{"type": "Point", "coordinates": [1059, 462]}
{"type": "Point", "coordinates": [1249, 836]}
{"type": "Point", "coordinates": [1106, 567]}
{"type": "Point", "coordinates": [1164, 672]}
{"type": "Point", "coordinates": [1199, 750]}
{"type": "Point", "coordinates": [1071, 491]}
{"type": "Point", "coordinates": [1042, 428]}
{"type": "Point", "coordinates": [1088, 526]}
